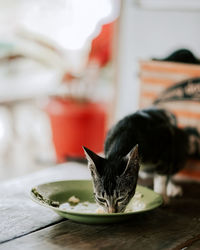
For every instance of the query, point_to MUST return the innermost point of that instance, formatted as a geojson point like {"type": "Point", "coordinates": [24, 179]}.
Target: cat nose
{"type": "Point", "coordinates": [111, 210]}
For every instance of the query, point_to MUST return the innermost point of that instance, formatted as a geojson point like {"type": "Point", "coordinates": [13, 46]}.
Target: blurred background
{"type": "Point", "coordinates": [69, 69]}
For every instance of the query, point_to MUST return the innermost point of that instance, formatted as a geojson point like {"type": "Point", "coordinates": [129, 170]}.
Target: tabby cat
{"type": "Point", "coordinates": [148, 140]}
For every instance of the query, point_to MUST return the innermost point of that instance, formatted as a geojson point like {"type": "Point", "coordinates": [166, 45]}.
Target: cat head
{"type": "Point", "coordinates": [114, 179]}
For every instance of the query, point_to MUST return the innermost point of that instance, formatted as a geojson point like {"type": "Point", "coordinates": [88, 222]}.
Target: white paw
{"type": "Point", "coordinates": [173, 190]}
{"type": "Point", "coordinates": [160, 184]}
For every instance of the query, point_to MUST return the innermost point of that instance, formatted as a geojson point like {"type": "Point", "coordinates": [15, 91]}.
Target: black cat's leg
{"type": "Point", "coordinates": [160, 186]}
{"type": "Point", "coordinates": [173, 190]}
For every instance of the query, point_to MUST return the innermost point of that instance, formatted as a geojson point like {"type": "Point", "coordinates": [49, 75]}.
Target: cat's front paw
{"type": "Point", "coordinates": [174, 190]}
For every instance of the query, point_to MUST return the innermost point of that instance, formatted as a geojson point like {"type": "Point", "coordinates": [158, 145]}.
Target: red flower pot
{"type": "Point", "coordinates": [76, 124]}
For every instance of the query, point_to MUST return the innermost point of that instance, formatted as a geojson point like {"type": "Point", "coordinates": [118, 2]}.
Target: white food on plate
{"type": "Point", "coordinates": [73, 200]}
{"type": "Point", "coordinates": [74, 205]}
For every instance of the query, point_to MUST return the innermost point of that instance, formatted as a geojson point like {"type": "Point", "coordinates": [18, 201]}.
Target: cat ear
{"type": "Point", "coordinates": [133, 162]}
{"type": "Point", "coordinates": [95, 162]}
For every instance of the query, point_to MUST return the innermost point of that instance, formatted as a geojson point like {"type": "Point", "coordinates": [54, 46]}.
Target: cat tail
{"type": "Point", "coordinates": [194, 141]}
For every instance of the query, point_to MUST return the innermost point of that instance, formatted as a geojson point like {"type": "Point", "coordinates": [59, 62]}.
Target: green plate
{"type": "Point", "coordinates": [50, 194]}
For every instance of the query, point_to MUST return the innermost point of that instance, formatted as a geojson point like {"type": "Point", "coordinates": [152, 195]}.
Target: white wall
{"type": "Point", "coordinates": [150, 33]}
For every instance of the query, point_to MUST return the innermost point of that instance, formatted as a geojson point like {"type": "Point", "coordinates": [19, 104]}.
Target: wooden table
{"type": "Point", "coordinates": [25, 225]}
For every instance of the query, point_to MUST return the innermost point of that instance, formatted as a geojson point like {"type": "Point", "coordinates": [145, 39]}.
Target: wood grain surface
{"type": "Point", "coordinates": [19, 215]}
{"type": "Point", "coordinates": [176, 226]}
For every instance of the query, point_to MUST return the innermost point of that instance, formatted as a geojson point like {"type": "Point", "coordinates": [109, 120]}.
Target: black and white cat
{"type": "Point", "coordinates": [148, 140]}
